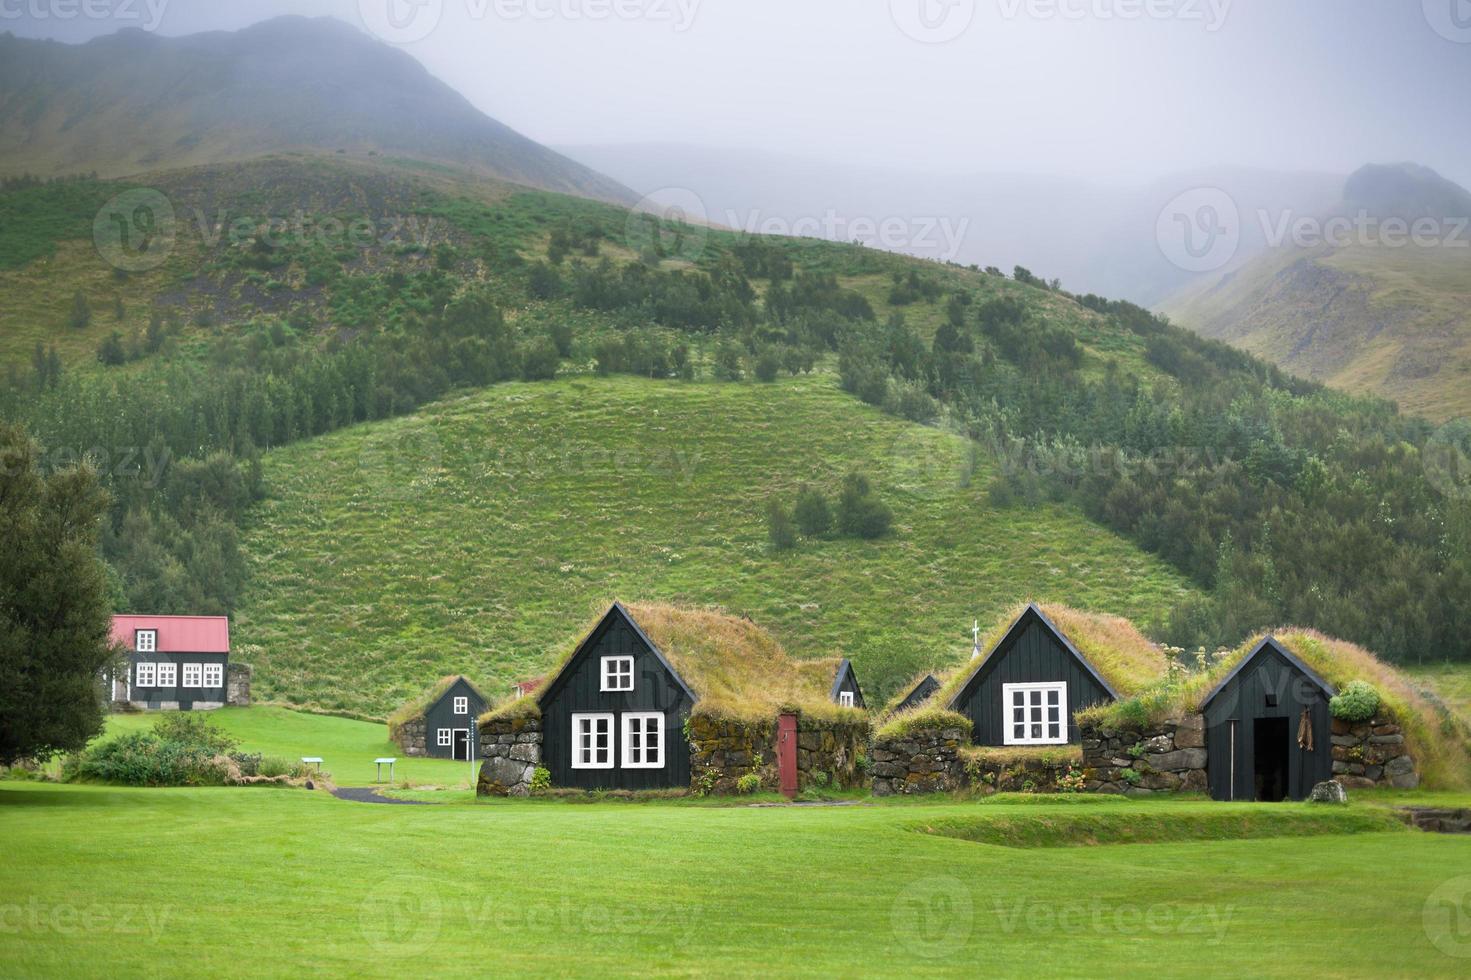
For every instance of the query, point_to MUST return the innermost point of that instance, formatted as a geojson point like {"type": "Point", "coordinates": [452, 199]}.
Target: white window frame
{"type": "Point", "coordinates": [603, 720]}
{"type": "Point", "coordinates": [462, 706]}
{"type": "Point", "coordinates": [616, 674]}
{"type": "Point", "coordinates": [446, 738]}
{"type": "Point", "coordinates": [214, 675]}
{"type": "Point", "coordinates": [145, 675]}
{"type": "Point", "coordinates": [193, 675]}
{"type": "Point", "coordinates": [169, 671]}
{"type": "Point", "coordinates": [845, 699]}
{"type": "Point", "coordinates": [145, 641]}
{"type": "Point", "coordinates": [1009, 706]}
{"type": "Point", "coordinates": [640, 750]}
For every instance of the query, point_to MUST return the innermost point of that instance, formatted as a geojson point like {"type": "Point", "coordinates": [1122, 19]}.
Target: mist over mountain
{"type": "Point", "coordinates": [135, 101]}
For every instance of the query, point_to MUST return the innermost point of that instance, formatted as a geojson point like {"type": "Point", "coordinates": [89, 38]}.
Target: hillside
{"type": "Point", "coordinates": [136, 102]}
{"type": "Point", "coordinates": [477, 536]}
{"type": "Point", "coordinates": [1364, 315]}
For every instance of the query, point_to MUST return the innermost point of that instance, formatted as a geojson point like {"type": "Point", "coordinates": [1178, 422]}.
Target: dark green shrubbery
{"type": "Point", "coordinates": [180, 750]}
{"type": "Point", "coordinates": [1358, 701]}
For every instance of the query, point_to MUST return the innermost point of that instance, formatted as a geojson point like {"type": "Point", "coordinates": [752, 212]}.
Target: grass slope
{"type": "Point", "coordinates": [347, 747]}
{"type": "Point", "coordinates": [476, 536]}
{"type": "Point", "coordinates": [547, 889]}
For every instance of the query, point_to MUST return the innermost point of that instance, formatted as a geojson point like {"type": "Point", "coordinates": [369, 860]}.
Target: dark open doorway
{"type": "Point", "coordinates": [1270, 762]}
{"type": "Point", "coordinates": [462, 744]}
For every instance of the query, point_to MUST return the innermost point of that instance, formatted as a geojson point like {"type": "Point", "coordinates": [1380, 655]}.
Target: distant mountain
{"type": "Point", "coordinates": [1368, 311]}
{"type": "Point", "coordinates": [1094, 236]}
{"type": "Point", "coordinates": [134, 101]}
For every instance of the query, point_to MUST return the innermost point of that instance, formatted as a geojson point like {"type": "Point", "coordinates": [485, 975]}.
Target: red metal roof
{"type": "Point", "coordinates": [177, 634]}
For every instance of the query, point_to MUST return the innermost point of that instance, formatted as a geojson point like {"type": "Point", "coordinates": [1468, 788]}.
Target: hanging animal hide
{"type": "Point", "coordinates": [1305, 731]}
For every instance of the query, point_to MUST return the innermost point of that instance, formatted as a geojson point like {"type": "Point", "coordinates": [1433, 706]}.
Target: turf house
{"type": "Point", "coordinates": [439, 722]}
{"type": "Point", "coordinates": [657, 697]}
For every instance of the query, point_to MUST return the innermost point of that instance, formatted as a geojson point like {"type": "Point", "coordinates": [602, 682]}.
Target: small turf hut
{"type": "Point", "coordinates": [438, 722]}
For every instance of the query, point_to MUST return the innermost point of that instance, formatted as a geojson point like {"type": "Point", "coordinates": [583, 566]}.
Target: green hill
{"type": "Point", "coordinates": [479, 534]}
{"type": "Point", "coordinates": [135, 102]}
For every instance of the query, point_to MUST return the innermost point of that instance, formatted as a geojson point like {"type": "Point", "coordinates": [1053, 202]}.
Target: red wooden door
{"type": "Point", "coordinates": [786, 754]}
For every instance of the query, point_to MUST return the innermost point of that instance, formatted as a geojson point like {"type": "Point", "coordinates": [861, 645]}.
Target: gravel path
{"type": "Point", "coordinates": [369, 795]}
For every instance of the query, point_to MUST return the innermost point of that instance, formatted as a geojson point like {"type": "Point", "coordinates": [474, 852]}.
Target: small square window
{"type": "Point", "coordinates": [1271, 700]}
{"type": "Point", "coordinates": [214, 675]}
{"type": "Point", "coordinates": [145, 641]}
{"type": "Point", "coordinates": [617, 674]}
{"type": "Point", "coordinates": [193, 675]}
{"type": "Point", "coordinates": [144, 675]}
{"type": "Point", "coordinates": [462, 706]}
{"type": "Point", "coordinates": [168, 675]}
{"type": "Point", "coordinates": [845, 699]}
{"type": "Point", "coordinates": [1038, 713]}
{"type": "Point", "coordinates": [445, 737]}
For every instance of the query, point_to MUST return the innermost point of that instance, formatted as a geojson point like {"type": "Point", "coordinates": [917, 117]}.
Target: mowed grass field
{"type": "Point", "coordinates": [346, 747]}
{"type": "Point", "coordinates": [116, 882]}
{"type": "Point", "coordinates": [480, 535]}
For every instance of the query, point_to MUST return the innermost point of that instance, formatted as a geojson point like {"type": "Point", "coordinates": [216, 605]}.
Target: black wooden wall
{"type": "Point", "coordinates": [849, 682]}
{"type": "Point", "coordinates": [921, 693]}
{"type": "Point", "coordinates": [576, 690]}
{"type": "Point", "coordinates": [1031, 655]}
{"type": "Point", "coordinates": [1244, 699]}
{"type": "Point", "coordinates": [185, 696]}
{"type": "Point", "coordinates": [441, 714]}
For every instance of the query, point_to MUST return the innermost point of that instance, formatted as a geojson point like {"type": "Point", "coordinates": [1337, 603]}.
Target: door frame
{"type": "Point", "coordinates": [455, 743]}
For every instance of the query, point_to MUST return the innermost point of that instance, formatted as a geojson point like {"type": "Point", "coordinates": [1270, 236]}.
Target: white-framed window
{"type": "Point", "coordinates": [462, 706]}
{"type": "Point", "coordinates": [592, 741]}
{"type": "Point", "coordinates": [845, 699]}
{"type": "Point", "coordinates": [168, 675]}
{"type": "Point", "coordinates": [643, 740]}
{"type": "Point", "coordinates": [144, 675]}
{"type": "Point", "coordinates": [214, 675]}
{"type": "Point", "coordinates": [446, 737]}
{"type": "Point", "coordinates": [617, 674]}
{"type": "Point", "coordinates": [1035, 714]}
{"type": "Point", "coordinates": [145, 641]}
{"type": "Point", "coordinates": [193, 675]}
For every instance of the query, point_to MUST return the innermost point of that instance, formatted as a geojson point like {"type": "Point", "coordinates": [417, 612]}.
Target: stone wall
{"type": "Point", "coordinates": [237, 685]}
{"type": "Point", "coordinates": [1372, 753]}
{"type": "Point", "coordinates": [925, 760]}
{"type": "Point", "coordinates": [1161, 758]}
{"type": "Point", "coordinates": [413, 737]}
{"type": "Point", "coordinates": [512, 751]}
{"type": "Point", "coordinates": [722, 750]}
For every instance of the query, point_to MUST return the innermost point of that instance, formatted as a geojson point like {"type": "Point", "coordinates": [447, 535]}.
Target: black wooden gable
{"type": "Point", "coordinates": [616, 633]}
{"type": "Point", "coordinates": [1270, 645]}
{"type": "Point", "coordinates": [845, 679]}
{"type": "Point", "coordinates": [920, 693]}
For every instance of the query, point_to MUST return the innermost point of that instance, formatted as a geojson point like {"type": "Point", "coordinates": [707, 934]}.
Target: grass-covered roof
{"type": "Point", "coordinates": [415, 707]}
{"type": "Point", "coordinates": [1112, 645]}
{"type": "Point", "coordinates": [735, 668]}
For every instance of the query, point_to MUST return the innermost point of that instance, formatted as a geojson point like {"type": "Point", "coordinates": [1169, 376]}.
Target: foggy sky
{"type": "Point", "coordinates": [1086, 88]}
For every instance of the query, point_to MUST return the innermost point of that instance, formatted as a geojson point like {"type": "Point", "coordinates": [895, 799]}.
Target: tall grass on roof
{"type": "Point", "coordinates": [416, 707]}
{"type": "Point", "coordinates": [1114, 646]}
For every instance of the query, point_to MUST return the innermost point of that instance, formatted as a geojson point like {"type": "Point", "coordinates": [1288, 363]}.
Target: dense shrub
{"type": "Point", "coordinates": [1358, 701]}
{"type": "Point", "coordinates": [749, 783]}
{"type": "Point", "coordinates": [813, 515]}
{"type": "Point", "coordinates": [860, 512]}
{"type": "Point", "coordinates": [779, 526]}
{"type": "Point", "coordinates": [180, 750]}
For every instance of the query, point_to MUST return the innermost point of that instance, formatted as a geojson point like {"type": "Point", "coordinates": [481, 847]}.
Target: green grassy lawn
{"type": "Point", "coordinates": [268, 881]}
{"type": "Point", "coordinates": [1450, 682]}
{"type": "Point", "coordinates": [347, 747]}
{"type": "Point", "coordinates": [479, 535]}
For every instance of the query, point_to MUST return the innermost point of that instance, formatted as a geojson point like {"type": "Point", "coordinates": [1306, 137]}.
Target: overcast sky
{"type": "Point", "coordinates": [1120, 90]}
